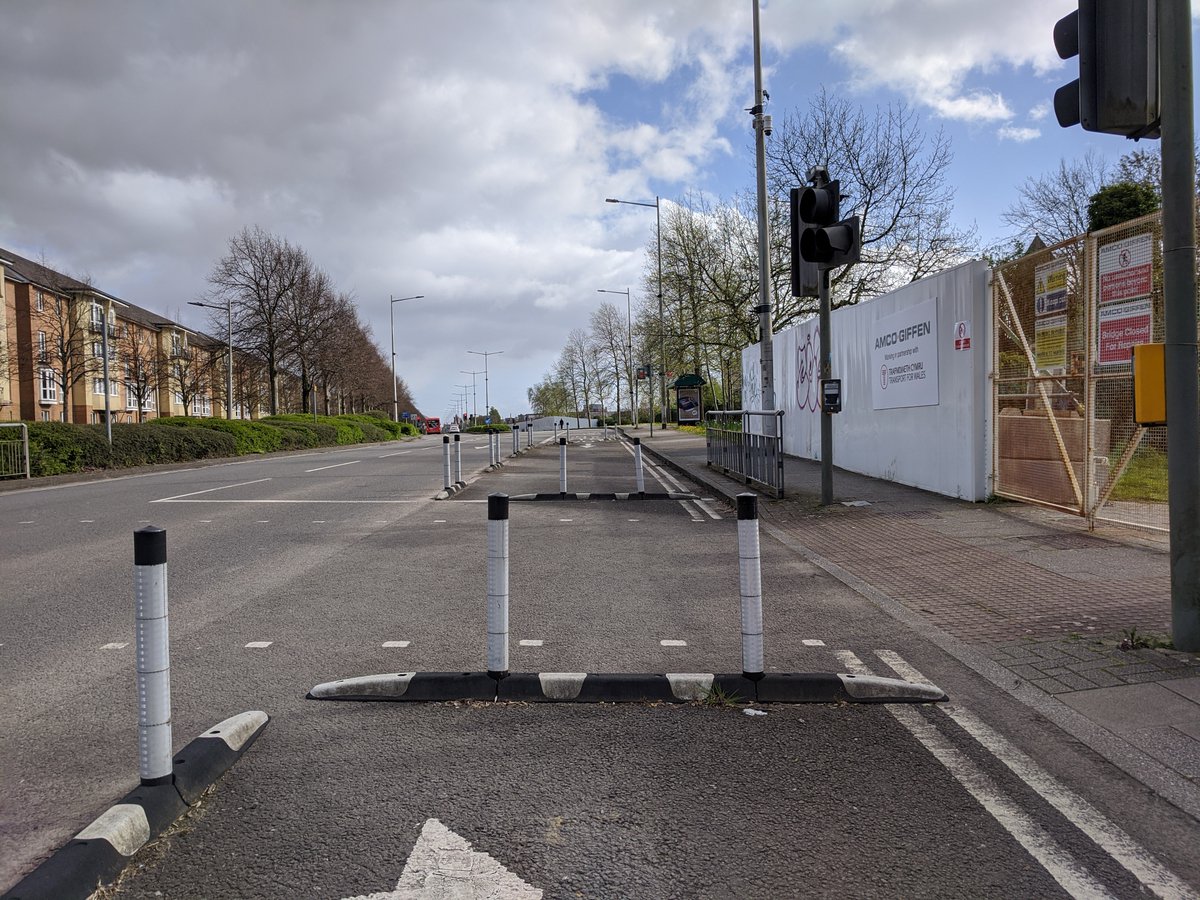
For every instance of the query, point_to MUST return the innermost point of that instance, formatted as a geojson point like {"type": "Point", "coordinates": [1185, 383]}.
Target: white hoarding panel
{"type": "Point", "coordinates": [904, 356]}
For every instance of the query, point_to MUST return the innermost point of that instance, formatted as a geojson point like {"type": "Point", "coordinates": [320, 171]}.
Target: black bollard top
{"type": "Point", "coordinates": [637, 442]}
{"type": "Point", "coordinates": [445, 438]}
{"type": "Point", "coordinates": [150, 546]}
{"type": "Point", "coordinates": [497, 507]}
{"type": "Point", "coordinates": [562, 442]}
{"type": "Point", "coordinates": [747, 506]}
{"type": "Point", "coordinates": [456, 438]}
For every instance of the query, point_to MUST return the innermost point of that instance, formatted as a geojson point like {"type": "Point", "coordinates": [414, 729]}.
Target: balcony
{"type": "Point", "coordinates": [98, 328]}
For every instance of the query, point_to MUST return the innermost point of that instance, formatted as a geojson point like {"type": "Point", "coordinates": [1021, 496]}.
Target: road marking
{"type": "Point", "coordinates": [633, 520]}
{"type": "Point", "coordinates": [115, 645]}
{"type": "Point", "coordinates": [566, 520]}
{"type": "Point", "coordinates": [442, 864]}
{"type": "Point", "coordinates": [206, 521]}
{"type": "Point", "coordinates": [258, 645]}
{"type": "Point", "coordinates": [812, 642]}
{"type": "Point", "coordinates": [318, 521]}
{"type": "Point", "coordinates": [530, 643]}
{"type": "Point", "coordinates": [400, 644]}
{"type": "Point", "coordinates": [439, 521]}
{"type": "Point", "coordinates": [397, 453]}
{"type": "Point", "coordinates": [30, 522]}
{"type": "Point", "coordinates": [261, 521]}
{"type": "Point", "coordinates": [422, 500]}
{"type": "Point", "coordinates": [210, 490]}
{"type": "Point", "coordinates": [334, 466]}
{"type": "Point", "coordinates": [673, 643]}
{"type": "Point", "coordinates": [1108, 836]}
{"type": "Point", "coordinates": [86, 521]}
{"type": "Point", "coordinates": [671, 483]}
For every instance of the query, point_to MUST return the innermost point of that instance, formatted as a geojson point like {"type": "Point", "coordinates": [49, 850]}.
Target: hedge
{"type": "Point", "coordinates": [56, 448]}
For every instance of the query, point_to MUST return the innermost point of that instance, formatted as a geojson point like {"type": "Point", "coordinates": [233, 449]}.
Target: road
{"type": "Point", "coordinates": [294, 570]}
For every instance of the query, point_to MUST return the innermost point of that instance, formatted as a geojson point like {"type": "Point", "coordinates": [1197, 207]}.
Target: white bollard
{"type": "Point", "coordinates": [153, 655]}
{"type": "Point", "coordinates": [562, 466]}
{"type": "Point", "coordinates": [516, 436]}
{"type": "Point", "coordinates": [529, 435]}
{"type": "Point", "coordinates": [497, 585]}
{"type": "Point", "coordinates": [457, 460]}
{"type": "Point", "coordinates": [750, 576]}
{"type": "Point", "coordinates": [637, 465]}
{"type": "Point", "coordinates": [446, 461]}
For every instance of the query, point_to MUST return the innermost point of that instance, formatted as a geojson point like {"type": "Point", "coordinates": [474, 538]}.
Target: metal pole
{"type": "Point", "coordinates": [497, 585]}
{"type": "Point", "coordinates": [662, 322]}
{"type": "Point", "coordinates": [229, 366]}
{"type": "Point", "coordinates": [458, 479]}
{"type": "Point", "coordinates": [637, 466]}
{"type": "Point", "coordinates": [1179, 290]}
{"type": "Point", "coordinates": [529, 435]}
{"type": "Point", "coordinates": [395, 388]}
{"type": "Point", "coordinates": [562, 466]}
{"type": "Point", "coordinates": [750, 576]}
{"type": "Point", "coordinates": [152, 654]}
{"type": "Point", "coordinates": [767, 356]}
{"type": "Point", "coordinates": [826, 366]}
{"type": "Point", "coordinates": [104, 351]}
{"type": "Point", "coordinates": [516, 436]}
{"type": "Point", "coordinates": [446, 461]}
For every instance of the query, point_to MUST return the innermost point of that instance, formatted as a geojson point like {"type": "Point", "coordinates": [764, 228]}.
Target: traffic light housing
{"type": "Point", "coordinates": [1117, 88]}
{"type": "Point", "coordinates": [824, 237]}
{"type": "Point", "coordinates": [804, 273]}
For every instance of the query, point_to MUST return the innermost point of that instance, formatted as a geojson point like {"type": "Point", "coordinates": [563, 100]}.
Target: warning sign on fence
{"type": "Point", "coordinates": [1050, 343]}
{"type": "Point", "coordinates": [1125, 269]}
{"type": "Point", "coordinates": [1121, 325]}
{"type": "Point", "coordinates": [1050, 287]}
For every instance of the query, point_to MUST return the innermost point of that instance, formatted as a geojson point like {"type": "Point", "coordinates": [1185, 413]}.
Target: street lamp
{"type": "Point", "coordinates": [629, 348]}
{"type": "Point", "coordinates": [392, 301]}
{"type": "Point", "coordinates": [474, 398]}
{"type": "Point", "coordinates": [662, 331]}
{"type": "Point", "coordinates": [485, 354]}
{"type": "Point", "coordinates": [228, 307]}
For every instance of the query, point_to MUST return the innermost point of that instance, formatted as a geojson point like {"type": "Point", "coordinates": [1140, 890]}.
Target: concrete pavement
{"type": "Point", "coordinates": [1075, 624]}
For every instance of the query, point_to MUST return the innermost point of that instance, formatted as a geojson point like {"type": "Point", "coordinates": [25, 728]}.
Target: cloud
{"type": "Point", "coordinates": [1039, 112]}
{"type": "Point", "coordinates": [1017, 133]}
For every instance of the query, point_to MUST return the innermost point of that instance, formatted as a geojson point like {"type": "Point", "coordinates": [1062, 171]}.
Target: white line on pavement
{"type": "Point", "coordinates": [672, 643]}
{"type": "Point", "coordinates": [259, 645]}
{"type": "Point", "coordinates": [210, 490]}
{"type": "Point", "coordinates": [334, 466]}
{"type": "Point", "coordinates": [115, 645]}
{"type": "Point", "coordinates": [530, 643]}
{"type": "Point", "coordinates": [1108, 836]}
{"type": "Point", "coordinates": [812, 642]}
{"type": "Point", "coordinates": [396, 643]}
{"type": "Point", "coordinates": [397, 453]}
{"type": "Point", "coordinates": [421, 500]}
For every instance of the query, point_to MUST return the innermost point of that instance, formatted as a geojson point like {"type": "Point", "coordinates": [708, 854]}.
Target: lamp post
{"type": "Point", "coordinates": [474, 398]}
{"type": "Point", "coordinates": [662, 331]}
{"type": "Point", "coordinates": [485, 354]}
{"type": "Point", "coordinates": [629, 357]}
{"type": "Point", "coordinates": [392, 301]}
{"type": "Point", "coordinates": [228, 307]}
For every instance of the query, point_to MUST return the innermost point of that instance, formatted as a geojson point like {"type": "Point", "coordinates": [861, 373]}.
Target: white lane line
{"type": "Point", "coordinates": [530, 643]}
{"type": "Point", "coordinates": [397, 453]}
{"type": "Point", "coordinates": [261, 521]}
{"type": "Point", "coordinates": [206, 521]}
{"type": "Point", "coordinates": [400, 644]}
{"type": "Point", "coordinates": [1060, 865]}
{"type": "Point", "coordinates": [852, 663]}
{"type": "Point", "coordinates": [439, 521]}
{"type": "Point", "coordinates": [671, 483]}
{"type": "Point", "coordinates": [812, 642]}
{"type": "Point", "coordinates": [566, 520]}
{"type": "Point", "coordinates": [422, 500]}
{"type": "Point", "coordinates": [633, 520]}
{"type": "Point", "coordinates": [210, 490]}
{"type": "Point", "coordinates": [671, 643]}
{"type": "Point", "coordinates": [258, 645]}
{"type": "Point", "coordinates": [115, 645]}
{"type": "Point", "coordinates": [1107, 835]}
{"type": "Point", "coordinates": [30, 522]}
{"type": "Point", "coordinates": [318, 521]}
{"type": "Point", "coordinates": [86, 521]}
{"type": "Point", "coordinates": [334, 466]}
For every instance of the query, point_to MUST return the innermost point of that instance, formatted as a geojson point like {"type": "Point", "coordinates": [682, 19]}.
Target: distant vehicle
{"type": "Point", "coordinates": [433, 426]}
{"type": "Point", "coordinates": [453, 429]}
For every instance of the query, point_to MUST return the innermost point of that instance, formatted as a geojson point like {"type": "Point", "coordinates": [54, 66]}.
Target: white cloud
{"type": "Point", "coordinates": [1039, 112]}
{"type": "Point", "coordinates": [1017, 133]}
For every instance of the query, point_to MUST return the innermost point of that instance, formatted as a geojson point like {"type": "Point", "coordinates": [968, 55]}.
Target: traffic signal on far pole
{"type": "Point", "coordinates": [1117, 88]}
{"type": "Point", "coordinates": [804, 274]}
{"type": "Point", "coordinates": [827, 239]}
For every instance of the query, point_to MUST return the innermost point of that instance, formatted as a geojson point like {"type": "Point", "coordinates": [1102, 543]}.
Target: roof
{"type": "Point", "coordinates": [688, 380]}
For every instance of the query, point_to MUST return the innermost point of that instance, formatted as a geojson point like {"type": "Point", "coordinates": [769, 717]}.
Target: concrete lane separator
{"type": "Point", "coordinates": [98, 853]}
{"type": "Point", "coordinates": [621, 687]}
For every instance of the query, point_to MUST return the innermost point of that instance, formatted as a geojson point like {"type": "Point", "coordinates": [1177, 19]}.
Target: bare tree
{"type": "Point", "coordinates": [892, 173]}
{"type": "Point", "coordinates": [610, 334]}
{"type": "Point", "coordinates": [187, 371]}
{"type": "Point", "coordinates": [1054, 206]}
{"type": "Point", "coordinates": [258, 276]}
{"type": "Point", "coordinates": [64, 326]}
{"type": "Point", "coordinates": [138, 352]}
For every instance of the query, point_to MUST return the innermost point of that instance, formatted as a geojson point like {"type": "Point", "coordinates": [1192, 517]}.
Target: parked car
{"type": "Point", "coordinates": [453, 429]}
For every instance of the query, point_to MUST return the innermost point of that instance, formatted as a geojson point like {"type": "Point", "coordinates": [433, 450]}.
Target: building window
{"type": "Point", "coordinates": [38, 302]}
{"type": "Point", "coordinates": [201, 406]}
{"type": "Point", "coordinates": [45, 415]}
{"type": "Point", "coordinates": [97, 316]}
{"type": "Point", "coordinates": [49, 386]}
{"type": "Point", "coordinates": [98, 386]}
{"type": "Point", "coordinates": [42, 357]}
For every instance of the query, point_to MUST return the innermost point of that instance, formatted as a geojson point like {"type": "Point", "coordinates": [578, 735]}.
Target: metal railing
{"type": "Point", "coordinates": [736, 449]}
{"type": "Point", "coordinates": [14, 453]}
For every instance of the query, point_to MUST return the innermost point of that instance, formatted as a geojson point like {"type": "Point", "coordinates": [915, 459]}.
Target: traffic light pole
{"type": "Point", "coordinates": [1179, 290]}
{"type": "Point", "coordinates": [767, 352]}
{"type": "Point", "coordinates": [826, 372]}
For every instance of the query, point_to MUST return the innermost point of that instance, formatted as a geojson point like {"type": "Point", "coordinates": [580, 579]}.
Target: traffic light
{"type": "Point", "coordinates": [804, 273]}
{"type": "Point", "coordinates": [1117, 88]}
{"type": "Point", "coordinates": [827, 239]}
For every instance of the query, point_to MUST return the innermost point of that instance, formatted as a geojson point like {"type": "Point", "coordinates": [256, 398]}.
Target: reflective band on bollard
{"type": "Point", "coordinates": [457, 460]}
{"type": "Point", "coordinates": [516, 436]}
{"type": "Point", "coordinates": [497, 585]}
{"type": "Point", "coordinates": [562, 466]}
{"type": "Point", "coordinates": [446, 461]}
{"type": "Point", "coordinates": [750, 577]}
{"type": "Point", "coordinates": [637, 465]}
{"type": "Point", "coordinates": [153, 654]}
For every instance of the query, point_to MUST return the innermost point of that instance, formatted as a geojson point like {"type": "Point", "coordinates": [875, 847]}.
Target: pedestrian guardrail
{"type": "Point", "coordinates": [14, 450]}
{"type": "Point", "coordinates": [755, 455]}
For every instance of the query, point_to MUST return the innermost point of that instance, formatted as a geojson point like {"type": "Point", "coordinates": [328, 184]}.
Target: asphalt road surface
{"type": "Point", "coordinates": [294, 570]}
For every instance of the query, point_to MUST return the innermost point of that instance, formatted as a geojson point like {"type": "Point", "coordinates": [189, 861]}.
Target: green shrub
{"type": "Point", "coordinates": [484, 429]}
{"type": "Point", "coordinates": [148, 444]}
{"type": "Point", "coordinates": [374, 426]}
{"type": "Point", "coordinates": [250, 437]}
{"type": "Point", "coordinates": [56, 448]}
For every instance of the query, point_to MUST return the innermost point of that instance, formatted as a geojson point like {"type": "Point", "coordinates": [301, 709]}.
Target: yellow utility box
{"type": "Point", "coordinates": [1149, 384]}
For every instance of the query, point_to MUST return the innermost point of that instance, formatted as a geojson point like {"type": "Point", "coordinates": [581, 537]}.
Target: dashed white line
{"type": "Point", "coordinates": [258, 645]}
{"type": "Point", "coordinates": [261, 521]}
{"type": "Point", "coordinates": [210, 490]}
{"type": "Point", "coordinates": [397, 453]}
{"type": "Point", "coordinates": [400, 644]}
{"type": "Point", "coordinates": [206, 521]}
{"type": "Point", "coordinates": [115, 645]}
{"type": "Point", "coordinates": [334, 466]}
{"type": "Point", "coordinates": [318, 521]}
{"type": "Point", "coordinates": [86, 521]}
{"type": "Point", "coordinates": [30, 522]}
{"type": "Point", "coordinates": [439, 521]}
{"type": "Point", "coordinates": [673, 643]}
{"type": "Point", "coordinates": [530, 643]}
{"type": "Point", "coordinates": [566, 520]}
{"type": "Point", "coordinates": [812, 642]}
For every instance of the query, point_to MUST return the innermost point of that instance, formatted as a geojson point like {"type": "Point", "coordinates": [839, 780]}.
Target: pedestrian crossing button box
{"type": "Point", "coordinates": [831, 395]}
{"type": "Point", "coordinates": [1149, 384]}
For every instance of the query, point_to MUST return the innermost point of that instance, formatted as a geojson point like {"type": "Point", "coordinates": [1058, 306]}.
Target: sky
{"type": "Point", "coordinates": [463, 149]}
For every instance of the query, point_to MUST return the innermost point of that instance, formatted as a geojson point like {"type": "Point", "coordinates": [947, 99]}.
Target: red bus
{"type": "Point", "coordinates": [433, 425]}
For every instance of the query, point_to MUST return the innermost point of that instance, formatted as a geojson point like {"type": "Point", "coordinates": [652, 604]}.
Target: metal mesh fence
{"type": "Point", "coordinates": [1066, 319]}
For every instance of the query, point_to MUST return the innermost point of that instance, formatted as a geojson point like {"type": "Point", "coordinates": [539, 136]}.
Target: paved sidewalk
{"type": "Point", "coordinates": [1082, 617]}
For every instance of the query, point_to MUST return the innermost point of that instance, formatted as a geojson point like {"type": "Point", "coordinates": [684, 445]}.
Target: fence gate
{"type": "Point", "coordinates": [736, 445]}
{"type": "Point", "coordinates": [14, 450]}
{"type": "Point", "coordinates": [1065, 319]}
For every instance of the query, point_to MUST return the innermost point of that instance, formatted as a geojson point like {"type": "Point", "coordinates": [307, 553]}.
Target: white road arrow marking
{"type": "Point", "coordinates": [442, 864]}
